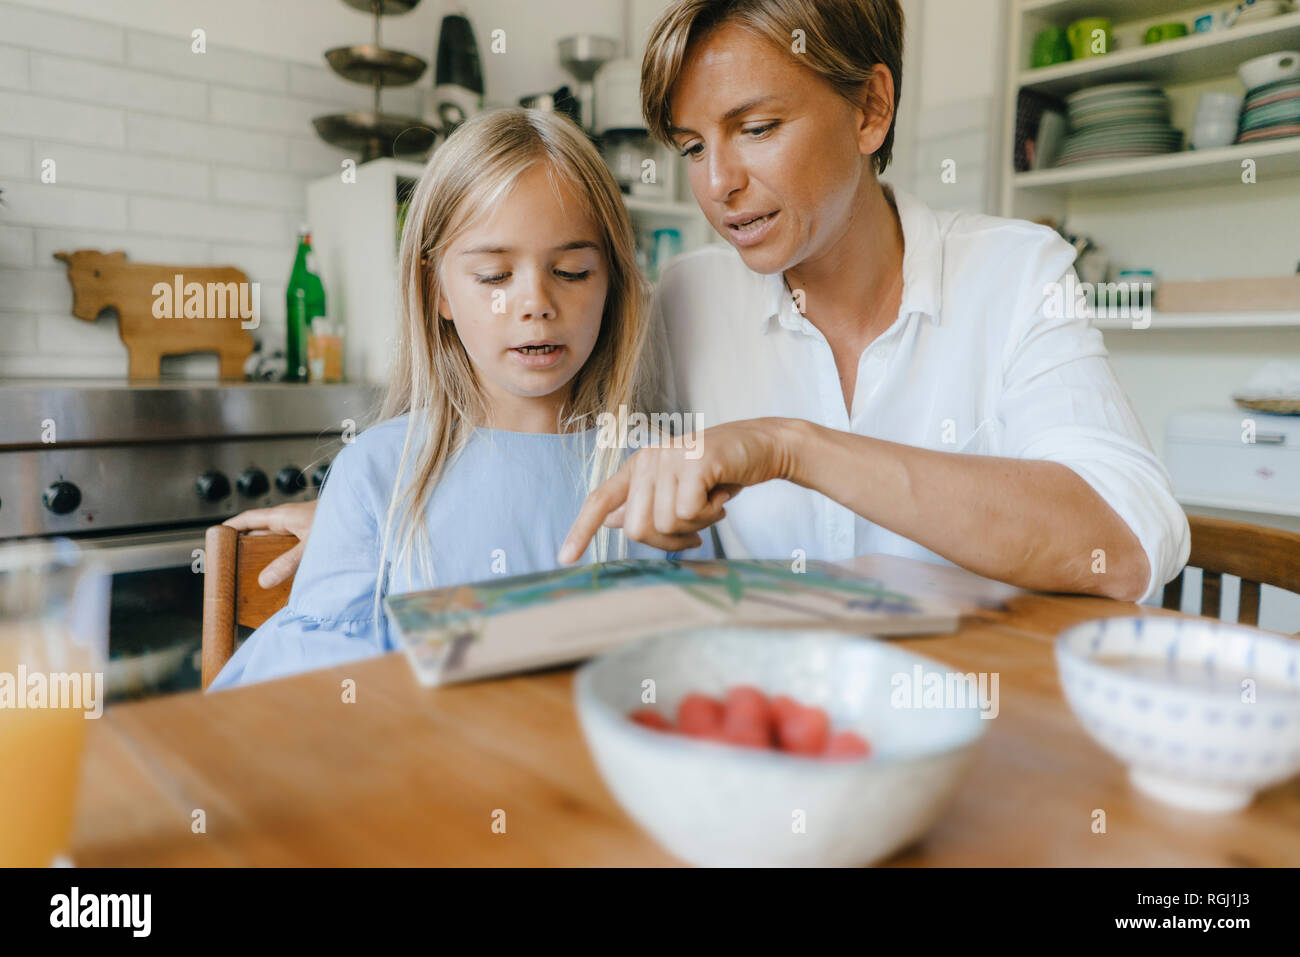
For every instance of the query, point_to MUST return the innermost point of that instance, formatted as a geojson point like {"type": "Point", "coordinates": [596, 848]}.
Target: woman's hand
{"type": "Point", "coordinates": [665, 494]}
{"type": "Point", "coordinates": [291, 518]}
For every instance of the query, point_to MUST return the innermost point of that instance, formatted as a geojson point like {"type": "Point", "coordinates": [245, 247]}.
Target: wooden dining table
{"type": "Point", "coordinates": [360, 765]}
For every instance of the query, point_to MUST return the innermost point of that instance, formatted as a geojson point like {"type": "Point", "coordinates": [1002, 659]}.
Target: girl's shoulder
{"type": "Point", "coordinates": [374, 455]}
{"type": "Point", "coordinates": [365, 468]}
{"type": "Point", "coordinates": [382, 435]}
{"type": "Point", "coordinates": [374, 451]}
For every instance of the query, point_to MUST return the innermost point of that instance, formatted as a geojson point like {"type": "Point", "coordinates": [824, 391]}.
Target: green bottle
{"type": "Point", "coordinates": [304, 301]}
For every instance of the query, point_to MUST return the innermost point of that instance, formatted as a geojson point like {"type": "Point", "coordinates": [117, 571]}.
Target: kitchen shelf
{"type": "Point", "coordinates": [1204, 320]}
{"type": "Point", "coordinates": [1168, 171]}
{"type": "Point", "coordinates": [1121, 11]}
{"type": "Point", "coordinates": [1192, 58]}
{"type": "Point", "coordinates": [1166, 212]}
{"type": "Point", "coordinates": [658, 207]}
{"type": "Point", "coordinates": [688, 219]}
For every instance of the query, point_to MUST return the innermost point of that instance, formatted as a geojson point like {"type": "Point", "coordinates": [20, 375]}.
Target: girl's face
{"type": "Point", "coordinates": [526, 289]}
{"type": "Point", "coordinates": [775, 155]}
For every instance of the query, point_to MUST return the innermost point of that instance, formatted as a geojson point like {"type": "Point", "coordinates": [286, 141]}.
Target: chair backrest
{"type": "Point", "coordinates": [1256, 554]}
{"type": "Point", "coordinates": [231, 594]}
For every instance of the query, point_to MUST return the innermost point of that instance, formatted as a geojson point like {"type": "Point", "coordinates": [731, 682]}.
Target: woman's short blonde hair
{"type": "Point", "coordinates": [842, 40]}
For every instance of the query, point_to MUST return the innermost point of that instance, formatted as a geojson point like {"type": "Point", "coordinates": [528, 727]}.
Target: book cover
{"type": "Point", "coordinates": [507, 625]}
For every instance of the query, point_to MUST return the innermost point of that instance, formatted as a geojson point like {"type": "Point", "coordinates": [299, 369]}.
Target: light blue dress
{"type": "Point", "coordinates": [503, 506]}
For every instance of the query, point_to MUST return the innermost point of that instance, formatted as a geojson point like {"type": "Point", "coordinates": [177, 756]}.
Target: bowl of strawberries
{"type": "Point", "coordinates": [756, 747]}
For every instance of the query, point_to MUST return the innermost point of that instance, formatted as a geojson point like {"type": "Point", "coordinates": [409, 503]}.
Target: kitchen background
{"type": "Point", "coordinates": [174, 156]}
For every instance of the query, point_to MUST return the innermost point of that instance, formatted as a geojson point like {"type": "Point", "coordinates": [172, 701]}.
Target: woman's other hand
{"type": "Point", "coordinates": [292, 518]}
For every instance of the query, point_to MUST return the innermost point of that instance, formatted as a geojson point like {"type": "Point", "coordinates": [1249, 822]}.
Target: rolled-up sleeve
{"type": "Point", "coordinates": [1061, 402]}
{"type": "Point", "coordinates": [329, 619]}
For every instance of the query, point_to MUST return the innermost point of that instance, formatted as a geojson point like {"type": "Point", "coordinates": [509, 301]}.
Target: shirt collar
{"type": "Point", "coordinates": [922, 268]}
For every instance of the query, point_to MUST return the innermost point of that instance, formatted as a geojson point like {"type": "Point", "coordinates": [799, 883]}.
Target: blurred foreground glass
{"type": "Point", "coordinates": [53, 631]}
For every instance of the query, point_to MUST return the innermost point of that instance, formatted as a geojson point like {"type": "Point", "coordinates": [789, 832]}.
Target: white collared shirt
{"type": "Point", "coordinates": [973, 364]}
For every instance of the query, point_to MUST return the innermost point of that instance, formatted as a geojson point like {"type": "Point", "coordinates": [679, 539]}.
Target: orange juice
{"type": "Point", "coordinates": [40, 755]}
{"type": "Point", "coordinates": [324, 352]}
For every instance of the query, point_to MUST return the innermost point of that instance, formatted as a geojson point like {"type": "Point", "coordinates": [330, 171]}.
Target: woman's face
{"type": "Point", "coordinates": [767, 138]}
{"type": "Point", "coordinates": [532, 272]}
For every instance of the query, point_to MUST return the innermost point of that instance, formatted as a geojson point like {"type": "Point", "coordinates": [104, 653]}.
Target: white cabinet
{"type": "Point", "coordinates": [354, 227]}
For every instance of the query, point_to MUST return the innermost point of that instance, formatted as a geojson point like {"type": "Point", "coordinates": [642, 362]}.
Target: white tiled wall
{"type": "Point", "coordinates": [963, 133]}
{"type": "Point", "coordinates": [952, 86]}
{"type": "Point", "coordinates": [170, 155]}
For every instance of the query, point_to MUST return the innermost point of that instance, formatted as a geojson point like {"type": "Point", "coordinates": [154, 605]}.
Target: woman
{"type": "Point", "coordinates": [889, 377]}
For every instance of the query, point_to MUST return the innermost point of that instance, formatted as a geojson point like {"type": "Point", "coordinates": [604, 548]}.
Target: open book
{"type": "Point", "coordinates": [507, 625]}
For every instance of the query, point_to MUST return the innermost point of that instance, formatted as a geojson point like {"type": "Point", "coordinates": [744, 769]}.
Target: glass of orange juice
{"type": "Point", "coordinates": [53, 631]}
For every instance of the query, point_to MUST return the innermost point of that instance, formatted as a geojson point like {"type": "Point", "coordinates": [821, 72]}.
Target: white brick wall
{"type": "Point", "coordinates": [171, 156]}
{"type": "Point", "coordinates": [57, 33]}
{"type": "Point", "coordinates": [13, 68]}
{"type": "Point", "coordinates": [27, 114]}
{"type": "Point", "coordinates": [961, 132]}
{"type": "Point", "coordinates": [15, 157]}
{"type": "Point", "coordinates": [16, 246]}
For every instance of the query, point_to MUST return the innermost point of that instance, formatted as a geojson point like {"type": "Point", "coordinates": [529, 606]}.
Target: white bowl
{"type": "Point", "coordinates": [715, 804]}
{"type": "Point", "coordinates": [1269, 68]}
{"type": "Point", "coordinates": [1167, 696]}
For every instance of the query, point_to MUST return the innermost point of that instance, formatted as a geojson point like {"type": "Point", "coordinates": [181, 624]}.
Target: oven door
{"type": "Point", "coordinates": [156, 616]}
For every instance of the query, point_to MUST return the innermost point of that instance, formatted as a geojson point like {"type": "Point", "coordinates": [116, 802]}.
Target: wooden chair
{"type": "Point", "coordinates": [231, 594]}
{"type": "Point", "coordinates": [1255, 554]}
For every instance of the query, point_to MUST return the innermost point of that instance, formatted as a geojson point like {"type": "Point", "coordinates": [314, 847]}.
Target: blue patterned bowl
{"type": "Point", "coordinates": [717, 805]}
{"type": "Point", "coordinates": [1203, 713]}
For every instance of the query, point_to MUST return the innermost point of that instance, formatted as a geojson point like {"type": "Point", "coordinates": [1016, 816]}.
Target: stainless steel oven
{"type": "Point", "coordinates": [136, 472]}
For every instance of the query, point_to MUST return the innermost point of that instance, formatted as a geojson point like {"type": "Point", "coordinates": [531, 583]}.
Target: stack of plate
{"type": "Point", "coordinates": [1118, 121]}
{"type": "Point", "coordinates": [1271, 112]}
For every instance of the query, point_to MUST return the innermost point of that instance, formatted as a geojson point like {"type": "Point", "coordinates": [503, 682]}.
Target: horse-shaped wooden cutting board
{"type": "Point", "coordinates": [167, 310]}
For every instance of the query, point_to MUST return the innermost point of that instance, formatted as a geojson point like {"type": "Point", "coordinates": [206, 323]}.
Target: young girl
{"type": "Point", "coordinates": [523, 319]}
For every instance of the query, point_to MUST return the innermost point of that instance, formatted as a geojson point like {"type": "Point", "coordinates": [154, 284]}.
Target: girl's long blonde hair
{"type": "Point", "coordinates": [433, 380]}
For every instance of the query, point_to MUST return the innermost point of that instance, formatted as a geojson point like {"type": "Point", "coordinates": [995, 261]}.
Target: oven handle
{"type": "Point", "coordinates": [145, 551]}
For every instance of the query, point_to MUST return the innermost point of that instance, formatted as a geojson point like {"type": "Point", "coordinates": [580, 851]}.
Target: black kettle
{"type": "Point", "coordinates": [458, 76]}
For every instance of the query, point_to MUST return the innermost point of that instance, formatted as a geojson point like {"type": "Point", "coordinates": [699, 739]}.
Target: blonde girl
{"type": "Point", "coordinates": [522, 320]}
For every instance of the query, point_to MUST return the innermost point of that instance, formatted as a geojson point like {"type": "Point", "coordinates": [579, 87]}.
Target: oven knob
{"type": "Point", "coordinates": [290, 480]}
{"type": "Point", "coordinates": [213, 486]}
{"type": "Point", "coordinates": [62, 497]}
{"type": "Point", "coordinates": [252, 483]}
{"type": "Point", "coordinates": [318, 474]}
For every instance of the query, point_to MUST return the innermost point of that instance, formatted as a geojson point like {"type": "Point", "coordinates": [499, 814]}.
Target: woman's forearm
{"type": "Point", "coordinates": [1033, 524]}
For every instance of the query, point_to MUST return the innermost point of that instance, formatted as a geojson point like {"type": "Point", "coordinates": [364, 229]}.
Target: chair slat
{"type": "Point", "coordinates": [1211, 589]}
{"type": "Point", "coordinates": [1173, 599]}
{"type": "Point", "coordinates": [1248, 605]}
